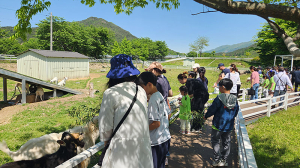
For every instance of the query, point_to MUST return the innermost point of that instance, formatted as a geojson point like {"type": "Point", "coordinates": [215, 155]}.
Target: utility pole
{"type": "Point", "coordinates": [51, 31]}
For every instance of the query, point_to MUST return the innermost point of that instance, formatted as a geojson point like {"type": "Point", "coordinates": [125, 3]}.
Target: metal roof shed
{"type": "Point", "coordinates": [286, 57]}
{"type": "Point", "coordinates": [46, 64]}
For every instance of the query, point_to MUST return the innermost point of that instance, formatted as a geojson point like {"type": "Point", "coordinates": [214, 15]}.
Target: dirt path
{"type": "Point", "coordinates": [195, 151]}
{"type": "Point", "coordinates": [7, 112]}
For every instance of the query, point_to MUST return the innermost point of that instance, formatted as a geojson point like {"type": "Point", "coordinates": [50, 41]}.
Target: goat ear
{"type": "Point", "coordinates": [61, 142]}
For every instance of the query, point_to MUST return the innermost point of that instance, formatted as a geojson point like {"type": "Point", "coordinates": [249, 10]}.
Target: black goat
{"type": "Point", "coordinates": [67, 150]}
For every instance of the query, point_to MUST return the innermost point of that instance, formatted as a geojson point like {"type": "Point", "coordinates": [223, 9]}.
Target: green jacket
{"type": "Point", "coordinates": [185, 108]}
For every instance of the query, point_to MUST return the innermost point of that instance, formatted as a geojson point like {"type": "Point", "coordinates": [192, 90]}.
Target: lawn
{"type": "Point", "coordinates": [275, 139]}
{"type": "Point", "coordinates": [209, 63]}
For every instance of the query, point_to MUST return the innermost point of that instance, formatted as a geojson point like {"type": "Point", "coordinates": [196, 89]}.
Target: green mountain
{"type": "Point", "coordinates": [119, 32]}
{"type": "Point", "coordinates": [241, 52]}
{"type": "Point", "coordinates": [230, 48]}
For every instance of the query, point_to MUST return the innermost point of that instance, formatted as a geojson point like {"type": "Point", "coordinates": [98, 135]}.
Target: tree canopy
{"type": "Point", "coordinates": [199, 45]}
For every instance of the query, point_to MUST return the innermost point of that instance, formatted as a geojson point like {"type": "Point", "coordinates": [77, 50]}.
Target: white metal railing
{"type": "Point", "coordinates": [245, 152]}
{"type": "Point", "coordinates": [247, 159]}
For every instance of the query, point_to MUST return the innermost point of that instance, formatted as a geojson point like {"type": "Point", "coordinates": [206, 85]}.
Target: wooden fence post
{"type": "Point", "coordinates": [23, 91]}
{"type": "Point", "coordinates": [91, 91]}
{"type": "Point", "coordinates": [269, 107]}
{"type": "Point", "coordinates": [244, 94]}
{"type": "Point", "coordinates": [5, 89]}
{"type": "Point", "coordinates": [286, 101]}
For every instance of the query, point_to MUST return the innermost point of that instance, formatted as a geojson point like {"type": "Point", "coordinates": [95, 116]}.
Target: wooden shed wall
{"type": "Point", "coordinates": [32, 64]}
{"type": "Point", "coordinates": [67, 67]}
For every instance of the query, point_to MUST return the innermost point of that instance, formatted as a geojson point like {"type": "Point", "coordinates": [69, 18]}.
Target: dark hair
{"type": "Point", "coordinates": [184, 89]}
{"type": "Point", "coordinates": [182, 76]}
{"type": "Point", "coordinates": [253, 67]}
{"type": "Point", "coordinates": [192, 74]}
{"type": "Point", "coordinates": [280, 68]}
{"type": "Point", "coordinates": [264, 76]}
{"type": "Point", "coordinates": [271, 74]}
{"type": "Point", "coordinates": [159, 71]}
{"type": "Point", "coordinates": [201, 72]}
{"type": "Point", "coordinates": [112, 82]}
{"type": "Point", "coordinates": [227, 83]}
{"type": "Point", "coordinates": [147, 77]}
{"type": "Point", "coordinates": [234, 68]}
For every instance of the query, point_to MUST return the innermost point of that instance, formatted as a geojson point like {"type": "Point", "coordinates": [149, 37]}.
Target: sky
{"type": "Point", "coordinates": [177, 27]}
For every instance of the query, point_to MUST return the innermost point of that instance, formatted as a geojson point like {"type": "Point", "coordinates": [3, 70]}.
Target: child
{"type": "Point", "coordinates": [265, 85]}
{"type": "Point", "coordinates": [158, 116]}
{"type": "Point", "coordinates": [272, 85]}
{"type": "Point", "coordinates": [185, 111]}
{"type": "Point", "coordinates": [224, 109]}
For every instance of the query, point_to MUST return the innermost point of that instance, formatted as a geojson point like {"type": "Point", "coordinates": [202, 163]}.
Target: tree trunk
{"type": "Point", "coordinates": [263, 10]}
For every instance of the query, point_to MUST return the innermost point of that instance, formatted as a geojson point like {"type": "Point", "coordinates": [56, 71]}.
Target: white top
{"type": "Point", "coordinates": [238, 82]}
{"type": "Point", "coordinates": [158, 110]}
{"type": "Point", "coordinates": [131, 146]}
{"type": "Point", "coordinates": [281, 80]}
{"type": "Point", "coordinates": [234, 77]}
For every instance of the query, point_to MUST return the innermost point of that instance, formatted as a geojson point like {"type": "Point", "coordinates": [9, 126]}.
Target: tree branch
{"type": "Point", "coordinates": [254, 8]}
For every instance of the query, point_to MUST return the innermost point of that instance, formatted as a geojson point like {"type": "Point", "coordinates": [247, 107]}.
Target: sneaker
{"type": "Point", "coordinates": [183, 132]}
{"type": "Point", "coordinates": [193, 130]}
{"type": "Point", "coordinates": [166, 162]}
{"type": "Point", "coordinates": [216, 163]}
{"type": "Point", "coordinates": [188, 132]}
{"type": "Point", "coordinates": [223, 163]}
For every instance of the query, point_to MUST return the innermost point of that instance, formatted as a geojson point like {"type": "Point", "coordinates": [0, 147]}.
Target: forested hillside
{"type": "Point", "coordinates": [230, 48]}
{"type": "Point", "coordinates": [119, 32]}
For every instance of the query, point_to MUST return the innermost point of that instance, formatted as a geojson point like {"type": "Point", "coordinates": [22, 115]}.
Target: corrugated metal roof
{"type": "Point", "coordinates": [59, 54]}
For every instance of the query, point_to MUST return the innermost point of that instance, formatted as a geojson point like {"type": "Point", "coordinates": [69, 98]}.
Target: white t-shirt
{"type": "Point", "coordinates": [234, 77]}
{"type": "Point", "coordinates": [158, 110]}
{"type": "Point", "coordinates": [131, 145]}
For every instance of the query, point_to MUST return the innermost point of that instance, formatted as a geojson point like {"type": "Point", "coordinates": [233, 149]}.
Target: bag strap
{"type": "Point", "coordinates": [126, 114]}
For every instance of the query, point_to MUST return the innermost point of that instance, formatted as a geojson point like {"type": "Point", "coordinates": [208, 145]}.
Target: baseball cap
{"type": "Point", "coordinates": [220, 64]}
{"type": "Point", "coordinates": [155, 65]}
{"type": "Point", "coordinates": [122, 67]}
{"type": "Point", "coordinates": [196, 65]}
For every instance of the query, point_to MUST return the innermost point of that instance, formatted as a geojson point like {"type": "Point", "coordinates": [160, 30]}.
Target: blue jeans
{"type": "Point", "coordinates": [276, 93]}
{"type": "Point", "coordinates": [255, 87]}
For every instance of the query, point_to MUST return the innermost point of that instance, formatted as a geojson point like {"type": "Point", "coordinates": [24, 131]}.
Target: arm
{"type": "Point", "coordinates": [252, 82]}
{"type": "Point", "coordinates": [289, 83]}
{"type": "Point", "coordinates": [170, 94]}
{"type": "Point", "coordinates": [154, 125]}
{"type": "Point", "coordinates": [221, 76]}
{"type": "Point", "coordinates": [106, 117]}
{"type": "Point", "coordinates": [213, 108]}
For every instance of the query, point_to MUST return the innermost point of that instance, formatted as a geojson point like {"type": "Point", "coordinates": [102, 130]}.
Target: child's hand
{"type": "Point", "coordinates": [179, 98]}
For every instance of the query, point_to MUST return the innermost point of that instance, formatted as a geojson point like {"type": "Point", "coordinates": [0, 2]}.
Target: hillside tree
{"type": "Point", "coordinates": [191, 54]}
{"type": "Point", "coordinates": [199, 45]}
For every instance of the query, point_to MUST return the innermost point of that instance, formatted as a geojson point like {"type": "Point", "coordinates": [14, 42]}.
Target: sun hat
{"type": "Point", "coordinates": [220, 64]}
{"type": "Point", "coordinates": [155, 65]}
{"type": "Point", "coordinates": [122, 67]}
{"type": "Point", "coordinates": [196, 65]}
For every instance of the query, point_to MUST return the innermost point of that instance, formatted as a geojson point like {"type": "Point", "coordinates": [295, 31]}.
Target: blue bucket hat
{"type": "Point", "coordinates": [122, 67]}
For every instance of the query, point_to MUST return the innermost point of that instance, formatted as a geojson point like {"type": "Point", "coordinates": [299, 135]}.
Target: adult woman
{"type": "Point", "coordinates": [234, 77]}
{"type": "Point", "coordinates": [162, 85]}
{"type": "Point", "coordinates": [202, 77]}
{"type": "Point", "coordinates": [199, 95]}
{"type": "Point", "coordinates": [254, 79]}
{"type": "Point", "coordinates": [131, 146]}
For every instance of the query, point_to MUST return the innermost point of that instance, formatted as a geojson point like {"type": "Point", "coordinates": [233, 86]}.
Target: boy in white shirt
{"type": "Point", "coordinates": [158, 113]}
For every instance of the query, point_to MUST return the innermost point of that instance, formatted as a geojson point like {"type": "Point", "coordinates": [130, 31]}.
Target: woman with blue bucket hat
{"type": "Point", "coordinates": [123, 118]}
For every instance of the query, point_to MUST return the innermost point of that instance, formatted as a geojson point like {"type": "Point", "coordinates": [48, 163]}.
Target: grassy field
{"type": "Point", "coordinates": [275, 139]}
{"type": "Point", "coordinates": [55, 116]}
{"type": "Point", "coordinates": [206, 62]}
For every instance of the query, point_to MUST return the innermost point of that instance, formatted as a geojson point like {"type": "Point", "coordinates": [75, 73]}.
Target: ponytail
{"type": "Point", "coordinates": [201, 72]}
{"type": "Point", "coordinates": [182, 76]}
